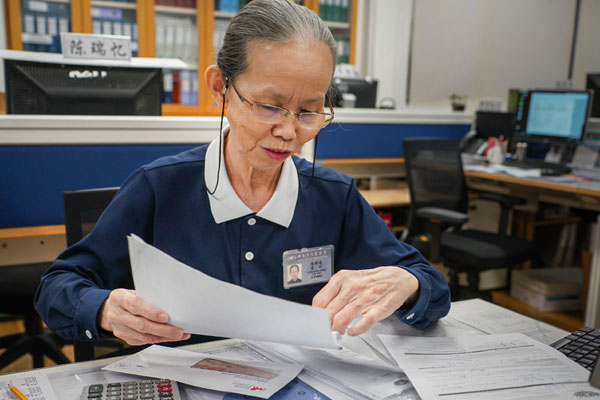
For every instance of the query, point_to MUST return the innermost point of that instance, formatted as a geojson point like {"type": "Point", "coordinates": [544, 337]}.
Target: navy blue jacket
{"type": "Point", "coordinates": [166, 204]}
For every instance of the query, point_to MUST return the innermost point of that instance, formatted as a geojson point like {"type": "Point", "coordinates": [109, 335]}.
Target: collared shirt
{"type": "Point", "coordinates": [167, 204]}
{"type": "Point", "coordinates": [225, 204]}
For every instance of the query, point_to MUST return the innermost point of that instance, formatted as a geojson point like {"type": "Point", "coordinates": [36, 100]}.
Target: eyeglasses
{"type": "Point", "coordinates": [270, 114]}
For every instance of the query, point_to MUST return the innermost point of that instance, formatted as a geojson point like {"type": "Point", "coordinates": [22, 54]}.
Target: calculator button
{"type": "Point", "coordinates": [130, 397]}
{"type": "Point", "coordinates": [147, 396]}
{"type": "Point", "coordinates": [118, 397]}
{"type": "Point", "coordinates": [95, 389]}
{"type": "Point", "coordinates": [113, 385]}
{"type": "Point", "coordinates": [94, 396]}
{"type": "Point", "coordinates": [165, 395]}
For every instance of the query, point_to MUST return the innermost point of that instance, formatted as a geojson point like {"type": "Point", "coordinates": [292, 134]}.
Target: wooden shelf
{"type": "Point", "coordinates": [337, 25]}
{"type": "Point", "coordinates": [114, 4]}
{"type": "Point", "coordinates": [175, 10]}
{"type": "Point", "coordinates": [224, 15]}
{"type": "Point", "coordinates": [569, 321]}
{"type": "Point", "coordinates": [179, 110]}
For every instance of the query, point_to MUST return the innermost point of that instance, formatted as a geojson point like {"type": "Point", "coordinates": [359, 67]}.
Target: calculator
{"type": "Point", "coordinates": [149, 389]}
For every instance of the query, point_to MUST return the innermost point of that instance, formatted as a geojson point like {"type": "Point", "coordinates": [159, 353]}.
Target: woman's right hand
{"type": "Point", "coordinates": [136, 322]}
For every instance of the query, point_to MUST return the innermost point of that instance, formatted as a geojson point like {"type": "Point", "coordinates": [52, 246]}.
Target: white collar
{"type": "Point", "coordinates": [225, 204]}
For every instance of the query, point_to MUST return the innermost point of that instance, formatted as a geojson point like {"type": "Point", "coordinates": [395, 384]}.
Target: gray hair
{"type": "Point", "coordinates": [270, 20]}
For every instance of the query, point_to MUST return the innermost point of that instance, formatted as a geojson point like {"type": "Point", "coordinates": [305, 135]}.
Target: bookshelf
{"type": "Point", "coordinates": [84, 17]}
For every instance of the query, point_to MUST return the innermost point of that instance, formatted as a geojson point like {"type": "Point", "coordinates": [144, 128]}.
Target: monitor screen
{"type": "Point", "coordinates": [49, 88]}
{"type": "Point", "coordinates": [593, 83]}
{"type": "Point", "coordinates": [554, 115]}
{"type": "Point", "coordinates": [365, 90]}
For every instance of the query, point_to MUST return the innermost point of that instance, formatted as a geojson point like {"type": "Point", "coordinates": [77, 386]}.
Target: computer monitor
{"type": "Point", "coordinates": [365, 90]}
{"type": "Point", "coordinates": [553, 115]}
{"type": "Point", "coordinates": [34, 87]}
{"type": "Point", "coordinates": [593, 83]}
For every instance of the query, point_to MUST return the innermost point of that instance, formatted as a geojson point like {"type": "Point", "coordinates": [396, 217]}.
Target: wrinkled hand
{"type": "Point", "coordinates": [373, 294]}
{"type": "Point", "coordinates": [136, 322]}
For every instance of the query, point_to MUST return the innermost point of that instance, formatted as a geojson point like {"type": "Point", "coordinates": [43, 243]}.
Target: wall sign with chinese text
{"type": "Point", "coordinates": [91, 46]}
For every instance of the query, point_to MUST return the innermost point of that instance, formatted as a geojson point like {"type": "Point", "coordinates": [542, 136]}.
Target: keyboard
{"type": "Point", "coordinates": [547, 168]}
{"type": "Point", "coordinates": [581, 346]}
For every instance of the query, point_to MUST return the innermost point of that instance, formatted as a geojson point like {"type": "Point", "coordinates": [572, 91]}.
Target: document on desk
{"type": "Point", "coordinates": [446, 326]}
{"type": "Point", "coordinates": [229, 375]}
{"type": "Point", "coordinates": [34, 387]}
{"type": "Point", "coordinates": [503, 169]}
{"type": "Point", "coordinates": [490, 318]}
{"type": "Point", "coordinates": [480, 366]}
{"type": "Point", "coordinates": [355, 375]}
{"type": "Point", "coordinates": [200, 304]}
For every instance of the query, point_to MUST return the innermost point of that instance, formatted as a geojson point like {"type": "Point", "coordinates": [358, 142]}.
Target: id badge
{"type": "Point", "coordinates": [307, 266]}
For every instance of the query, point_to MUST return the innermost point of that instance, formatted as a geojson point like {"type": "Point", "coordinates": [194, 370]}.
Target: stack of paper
{"type": "Point", "coordinates": [492, 366]}
{"type": "Point", "coordinates": [254, 378]}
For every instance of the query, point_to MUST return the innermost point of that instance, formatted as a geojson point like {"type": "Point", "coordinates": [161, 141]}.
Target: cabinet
{"type": "Point", "coordinates": [162, 28]}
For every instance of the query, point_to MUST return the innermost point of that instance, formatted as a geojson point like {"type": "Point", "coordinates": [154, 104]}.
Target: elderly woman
{"type": "Point", "coordinates": [235, 208]}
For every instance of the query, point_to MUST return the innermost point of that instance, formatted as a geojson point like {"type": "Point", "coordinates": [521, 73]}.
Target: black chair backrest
{"type": "Point", "coordinates": [435, 178]}
{"type": "Point", "coordinates": [82, 210]}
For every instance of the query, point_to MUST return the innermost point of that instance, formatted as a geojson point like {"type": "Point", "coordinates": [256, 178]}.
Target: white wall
{"type": "Point", "coordinates": [483, 48]}
{"type": "Point", "coordinates": [587, 56]}
{"type": "Point", "coordinates": [388, 47]}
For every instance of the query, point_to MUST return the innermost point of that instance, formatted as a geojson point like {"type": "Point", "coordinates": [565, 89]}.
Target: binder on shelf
{"type": "Point", "coordinates": [176, 87]}
{"type": "Point", "coordinates": [106, 27]}
{"type": "Point", "coordinates": [29, 23]}
{"type": "Point", "coordinates": [167, 86]}
{"type": "Point", "coordinates": [117, 28]}
{"type": "Point", "coordinates": [194, 87]}
{"type": "Point", "coordinates": [186, 88]}
{"type": "Point", "coordinates": [96, 27]}
{"type": "Point", "coordinates": [127, 29]}
{"type": "Point", "coordinates": [179, 40]}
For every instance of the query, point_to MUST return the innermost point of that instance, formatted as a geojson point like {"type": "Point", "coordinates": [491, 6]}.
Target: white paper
{"type": "Point", "coordinates": [503, 169]}
{"type": "Point", "coordinates": [546, 392]}
{"type": "Point", "coordinates": [449, 368]}
{"type": "Point", "coordinates": [198, 303]}
{"type": "Point", "coordinates": [34, 387]}
{"type": "Point", "coordinates": [355, 375]}
{"type": "Point", "coordinates": [230, 375]}
{"type": "Point", "coordinates": [447, 326]}
{"type": "Point", "coordinates": [490, 318]}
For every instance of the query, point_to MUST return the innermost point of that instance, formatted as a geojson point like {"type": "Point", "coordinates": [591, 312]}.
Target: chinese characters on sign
{"type": "Point", "coordinates": [108, 47]}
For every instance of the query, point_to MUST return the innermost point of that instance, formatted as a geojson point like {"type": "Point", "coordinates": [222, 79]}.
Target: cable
{"type": "Point", "coordinates": [220, 141]}
{"type": "Point", "coordinates": [312, 175]}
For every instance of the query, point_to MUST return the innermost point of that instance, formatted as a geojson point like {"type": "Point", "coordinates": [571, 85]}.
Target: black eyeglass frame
{"type": "Point", "coordinates": [286, 111]}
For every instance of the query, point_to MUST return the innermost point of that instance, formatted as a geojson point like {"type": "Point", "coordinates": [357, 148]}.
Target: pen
{"type": "Point", "coordinates": [17, 392]}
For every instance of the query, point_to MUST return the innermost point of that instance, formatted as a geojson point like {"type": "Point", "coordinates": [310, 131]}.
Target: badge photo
{"type": "Point", "coordinates": [303, 267]}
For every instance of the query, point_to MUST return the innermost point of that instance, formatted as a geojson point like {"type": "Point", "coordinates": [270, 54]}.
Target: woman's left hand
{"type": "Point", "coordinates": [373, 294]}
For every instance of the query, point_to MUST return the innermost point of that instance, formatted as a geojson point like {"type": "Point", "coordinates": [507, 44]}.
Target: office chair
{"type": "Point", "coordinates": [18, 284]}
{"type": "Point", "coordinates": [82, 210]}
{"type": "Point", "coordinates": [438, 209]}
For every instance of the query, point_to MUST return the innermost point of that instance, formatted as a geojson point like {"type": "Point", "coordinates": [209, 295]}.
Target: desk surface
{"type": "Point", "coordinates": [381, 198]}
{"type": "Point", "coordinates": [536, 183]}
{"type": "Point", "coordinates": [471, 314]}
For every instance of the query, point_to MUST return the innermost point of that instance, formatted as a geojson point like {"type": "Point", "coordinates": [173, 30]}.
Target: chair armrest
{"type": "Point", "coordinates": [506, 204]}
{"type": "Point", "coordinates": [504, 200]}
{"type": "Point", "coordinates": [442, 215]}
